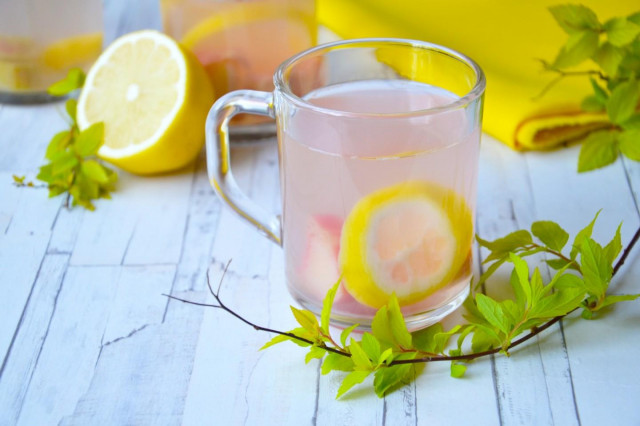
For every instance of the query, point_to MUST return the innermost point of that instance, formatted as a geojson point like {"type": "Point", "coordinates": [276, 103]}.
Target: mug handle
{"type": "Point", "coordinates": [219, 160]}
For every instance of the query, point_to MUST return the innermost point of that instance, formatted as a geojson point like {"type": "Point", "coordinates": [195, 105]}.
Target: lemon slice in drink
{"type": "Point", "coordinates": [153, 97]}
{"type": "Point", "coordinates": [73, 51]}
{"type": "Point", "coordinates": [411, 239]}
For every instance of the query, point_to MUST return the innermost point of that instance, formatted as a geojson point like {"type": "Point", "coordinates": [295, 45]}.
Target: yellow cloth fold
{"type": "Point", "coordinates": [507, 39]}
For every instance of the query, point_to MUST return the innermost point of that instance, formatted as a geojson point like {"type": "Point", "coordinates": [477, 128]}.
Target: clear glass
{"type": "Point", "coordinates": [378, 143]}
{"type": "Point", "coordinates": [241, 43]}
{"type": "Point", "coordinates": [40, 40]}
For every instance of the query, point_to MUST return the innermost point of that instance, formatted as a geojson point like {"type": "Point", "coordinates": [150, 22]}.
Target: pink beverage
{"type": "Point", "coordinates": [378, 143]}
{"type": "Point", "coordinates": [327, 172]}
{"type": "Point", "coordinates": [241, 43]}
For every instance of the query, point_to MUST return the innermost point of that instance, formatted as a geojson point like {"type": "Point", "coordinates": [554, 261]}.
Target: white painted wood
{"type": "Point", "coordinates": [91, 344]}
{"type": "Point", "coordinates": [24, 354]}
{"type": "Point", "coordinates": [601, 387]}
{"type": "Point", "coordinates": [143, 367]}
{"type": "Point", "coordinates": [72, 347]}
{"type": "Point", "coordinates": [20, 260]}
{"type": "Point", "coordinates": [506, 204]}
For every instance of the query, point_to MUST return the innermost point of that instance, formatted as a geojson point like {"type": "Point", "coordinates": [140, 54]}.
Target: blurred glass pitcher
{"type": "Point", "coordinates": [40, 40]}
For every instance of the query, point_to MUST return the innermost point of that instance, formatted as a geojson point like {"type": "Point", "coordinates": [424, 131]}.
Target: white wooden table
{"type": "Point", "coordinates": [87, 338]}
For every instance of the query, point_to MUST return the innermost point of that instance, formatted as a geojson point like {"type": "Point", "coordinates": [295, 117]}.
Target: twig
{"type": "Point", "coordinates": [563, 74]}
{"type": "Point", "coordinates": [534, 332]}
{"type": "Point", "coordinates": [221, 305]}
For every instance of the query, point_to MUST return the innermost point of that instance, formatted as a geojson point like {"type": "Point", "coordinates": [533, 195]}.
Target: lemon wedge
{"type": "Point", "coordinates": [411, 239]}
{"type": "Point", "coordinates": [153, 97]}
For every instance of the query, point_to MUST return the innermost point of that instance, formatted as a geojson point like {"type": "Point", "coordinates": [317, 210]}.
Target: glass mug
{"type": "Point", "coordinates": [241, 43]}
{"type": "Point", "coordinates": [41, 40]}
{"type": "Point", "coordinates": [378, 145]}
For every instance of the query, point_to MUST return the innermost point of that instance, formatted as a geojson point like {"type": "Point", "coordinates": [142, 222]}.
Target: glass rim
{"type": "Point", "coordinates": [282, 86]}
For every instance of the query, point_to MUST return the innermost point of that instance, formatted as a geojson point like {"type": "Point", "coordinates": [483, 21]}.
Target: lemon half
{"type": "Point", "coordinates": [153, 97]}
{"type": "Point", "coordinates": [411, 239]}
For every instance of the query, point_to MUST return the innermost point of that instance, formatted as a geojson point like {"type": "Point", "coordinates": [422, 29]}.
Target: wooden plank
{"type": "Point", "coordinates": [72, 347]}
{"type": "Point", "coordinates": [141, 355]}
{"type": "Point", "coordinates": [235, 238]}
{"type": "Point", "coordinates": [161, 205]}
{"type": "Point", "coordinates": [505, 204]}
{"type": "Point", "coordinates": [601, 387]}
{"type": "Point", "coordinates": [137, 226]}
{"type": "Point", "coordinates": [26, 132]}
{"type": "Point", "coordinates": [25, 210]}
{"type": "Point", "coordinates": [20, 363]}
{"type": "Point", "coordinates": [203, 215]}
{"type": "Point", "coordinates": [20, 262]}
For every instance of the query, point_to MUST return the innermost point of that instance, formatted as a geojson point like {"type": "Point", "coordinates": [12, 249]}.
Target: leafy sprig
{"type": "Point", "coordinates": [614, 46]}
{"type": "Point", "coordinates": [73, 167]}
{"type": "Point", "coordinates": [394, 356]}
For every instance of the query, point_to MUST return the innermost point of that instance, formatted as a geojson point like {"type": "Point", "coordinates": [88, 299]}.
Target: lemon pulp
{"type": "Point", "coordinates": [410, 239]}
{"type": "Point", "coordinates": [153, 97]}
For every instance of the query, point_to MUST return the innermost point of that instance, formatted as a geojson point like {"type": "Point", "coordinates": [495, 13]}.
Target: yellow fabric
{"type": "Point", "coordinates": [506, 38]}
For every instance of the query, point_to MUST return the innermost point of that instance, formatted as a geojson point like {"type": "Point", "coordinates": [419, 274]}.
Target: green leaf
{"type": "Point", "coordinates": [277, 339]}
{"type": "Point", "coordinates": [584, 233]}
{"type": "Point", "coordinates": [442, 339]}
{"type": "Point", "coordinates": [558, 263]}
{"type": "Point", "coordinates": [423, 340]}
{"type": "Point", "coordinates": [592, 104]}
{"type": "Point", "coordinates": [598, 150]}
{"type": "Point", "coordinates": [635, 18]}
{"type": "Point", "coordinates": [359, 356]}
{"type": "Point", "coordinates": [385, 356]}
{"type": "Point", "coordinates": [551, 234]}
{"type": "Point", "coordinates": [63, 164]}
{"type": "Point", "coordinates": [509, 242]}
{"type": "Point", "coordinates": [90, 140]}
{"type": "Point", "coordinates": [610, 300]}
{"type": "Point", "coordinates": [457, 370]}
{"type": "Point", "coordinates": [325, 315]}
{"type": "Point", "coordinates": [609, 58]}
{"type": "Point", "coordinates": [314, 353]}
{"type": "Point", "coordinates": [337, 362]}
{"type": "Point", "coordinates": [370, 346]}
{"type": "Point", "coordinates": [94, 171]}
{"type": "Point", "coordinates": [620, 31]}
{"type": "Point", "coordinates": [483, 339]}
{"type": "Point", "coordinates": [71, 106]}
{"type": "Point", "coordinates": [629, 142]}
{"type": "Point", "coordinates": [558, 303]}
{"type": "Point", "coordinates": [572, 18]}
{"type": "Point", "coordinates": [623, 101]}
{"type": "Point", "coordinates": [306, 319]}
{"type": "Point", "coordinates": [345, 334]}
{"type": "Point", "coordinates": [632, 123]}
{"type": "Point", "coordinates": [74, 80]}
{"type": "Point", "coordinates": [600, 94]}
{"type": "Point", "coordinates": [612, 250]}
{"type": "Point", "coordinates": [491, 270]}
{"type": "Point", "coordinates": [381, 328]}
{"type": "Point", "coordinates": [396, 321]}
{"type": "Point", "coordinates": [352, 379]}
{"type": "Point", "coordinates": [492, 312]}
{"type": "Point", "coordinates": [580, 47]}
{"type": "Point", "coordinates": [388, 378]}
{"type": "Point", "coordinates": [58, 143]}
{"type": "Point", "coordinates": [596, 268]}
{"type": "Point", "coordinates": [537, 287]}
{"type": "Point", "coordinates": [521, 285]}
{"type": "Point", "coordinates": [569, 281]}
